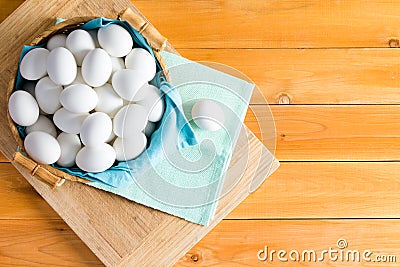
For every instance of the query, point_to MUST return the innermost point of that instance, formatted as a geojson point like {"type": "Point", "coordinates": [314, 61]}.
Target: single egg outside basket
{"type": "Point", "coordinates": [144, 35]}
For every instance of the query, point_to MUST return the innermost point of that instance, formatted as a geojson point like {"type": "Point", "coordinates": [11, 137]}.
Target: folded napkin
{"type": "Point", "coordinates": [187, 182]}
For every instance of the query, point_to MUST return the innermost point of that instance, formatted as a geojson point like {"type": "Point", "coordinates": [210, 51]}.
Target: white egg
{"type": "Point", "coordinates": [58, 40]}
{"type": "Point", "coordinates": [80, 42]}
{"type": "Point", "coordinates": [96, 159]}
{"type": "Point", "coordinates": [150, 128]}
{"type": "Point", "coordinates": [79, 79]}
{"type": "Point", "coordinates": [42, 147]}
{"type": "Point", "coordinates": [29, 87]}
{"type": "Point", "coordinates": [96, 67]}
{"type": "Point", "coordinates": [93, 33]}
{"type": "Point", "coordinates": [127, 83]}
{"type": "Point", "coordinates": [152, 101]}
{"type": "Point", "coordinates": [78, 98]}
{"type": "Point", "coordinates": [34, 64]}
{"type": "Point", "coordinates": [130, 120]}
{"type": "Point", "coordinates": [130, 148]}
{"type": "Point", "coordinates": [61, 66]}
{"type": "Point", "coordinates": [115, 40]}
{"type": "Point", "coordinates": [70, 145]}
{"type": "Point", "coordinates": [69, 122]}
{"type": "Point", "coordinates": [111, 137]}
{"type": "Point", "coordinates": [117, 64]}
{"type": "Point", "coordinates": [108, 101]}
{"type": "Point", "coordinates": [23, 108]}
{"type": "Point", "coordinates": [96, 129]}
{"type": "Point", "coordinates": [208, 115]}
{"type": "Point", "coordinates": [43, 124]}
{"type": "Point", "coordinates": [140, 59]}
{"type": "Point", "coordinates": [48, 95]}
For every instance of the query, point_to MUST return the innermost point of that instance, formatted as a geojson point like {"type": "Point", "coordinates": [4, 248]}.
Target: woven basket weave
{"type": "Point", "coordinates": [46, 173]}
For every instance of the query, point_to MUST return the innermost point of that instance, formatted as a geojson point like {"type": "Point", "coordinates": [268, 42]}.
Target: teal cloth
{"type": "Point", "coordinates": [174, 122]}
{"type": "Point", "coordinates": [188, 182]}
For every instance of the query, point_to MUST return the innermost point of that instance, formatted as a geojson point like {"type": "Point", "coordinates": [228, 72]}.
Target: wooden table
{"type": "Point", "coordinates": [330, 71]}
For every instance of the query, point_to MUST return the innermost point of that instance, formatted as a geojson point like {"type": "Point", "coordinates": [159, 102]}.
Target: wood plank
{"type": "Point", "coordinates": [330, 132]}
{"type": "Point", "coordinates": [288, 24]}
{"type": "Point", "coordinates": [274, 24]}
{"type": "Point", "coordinates": [326, 190]}
{"type": "Point", "coordinates": [231, 243]}
{"type": "Point", "coordinates": [314, 76]}
{"type": "Point", "coordinates": [42, 243]}
{"type": "Point", "coordinates": [236, 243]}
{"type": "Point", "coordinates": [7, 7]}
{"type": "Point", "coordinates": [296, 190]}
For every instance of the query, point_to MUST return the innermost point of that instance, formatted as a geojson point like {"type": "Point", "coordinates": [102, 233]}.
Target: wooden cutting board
{"type": "Point", "coordinates": [118, 231]}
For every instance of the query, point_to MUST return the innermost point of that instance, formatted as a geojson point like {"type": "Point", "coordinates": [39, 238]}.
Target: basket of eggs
{"type": "Point", "coordinates": [89, 96]}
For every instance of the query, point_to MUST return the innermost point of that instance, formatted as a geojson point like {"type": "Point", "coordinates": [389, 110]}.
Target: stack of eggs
{"type": "Point", "coordinates": [87, 99]}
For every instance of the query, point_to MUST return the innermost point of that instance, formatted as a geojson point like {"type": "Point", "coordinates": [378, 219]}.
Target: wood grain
{"type": "Point", "coordinates": [297, 190]}
{"type": "Point", "coordinates": [314, 76]}
{"type": "Point", "coordinates": [42, 243]}
{"type": "Point", "coordinates": [330, 133]}
{"type": "Point", "coordinates": [274, 24]}
{"type": "Point", "coordinates": [236, 243]}
{"type": "Point", "coordinates": [326, 190]}
{"type": "Point", "coordinates": [231, 243]}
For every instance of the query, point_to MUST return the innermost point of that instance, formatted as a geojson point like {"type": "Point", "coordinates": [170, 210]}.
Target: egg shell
{"type": "Point", "coordinates": [69, 122]}
{"type": "Point", "coordinates": [127, 83]}
{"type": "Point", "coordinates": [78, 79]}
{"type": "Point", "coordinates": [115, 39]}
{"type": "Point", "coordinates": [140, 59]}
{"type": "Point", "coordinates": [130, 148]}
{"type": "Point", "coordinates": [61, 66]}
{"type": "Point", "coordinates": [43, 124]}
{"type": "Point", "coordinates": [111, 138]}
{"type": "Point", "coordinates": [208, 115]}
{"type": "Point", "coordinates": [96, 159]}
{"type": "Point", "coordinates": [129, 120]}
{"type": "Point", "coordinates": [117, 64]}
{"type": "Point", "coordinates": [42, 147]}
{"type": "Point", "coordinates": [96, 67]}
{"type": "Point", "coordinates": [70, 145]}
{"type": "Point", "coordinates": [34, 64]}
{"type": "Point", "coordinates": [78, 98]}
{"type": "Point", "coordinates": [149, 129]}
{"type": "Point", "coordinates": [23, 108]}
{"type": "Point", "coordinates": [48, 95]}
{"type": "Point", "coordinates": [96, 129]}
{"type": "Point", "coordinates": [80, 43]}
{"type": "Point", "coordinates": [108, 101]}
{"type": "Point", "coordinates": [58, 40]}
{"type": "Point", "coordinates": [29, 86]}
{"type": "Point", "coordinates": [153, 102]}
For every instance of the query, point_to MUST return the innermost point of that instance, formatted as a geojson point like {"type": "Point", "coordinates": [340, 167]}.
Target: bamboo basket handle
{"type": "Point", "coordinates": [45, 173]}
{"type": "Point", "coordinates": [38, 171]}
{"type": "Point", "coordinates": [157, 41]}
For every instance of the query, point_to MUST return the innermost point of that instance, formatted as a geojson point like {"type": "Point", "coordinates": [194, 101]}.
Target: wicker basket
{"type": "Point", "coordinates": [46, 173]}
